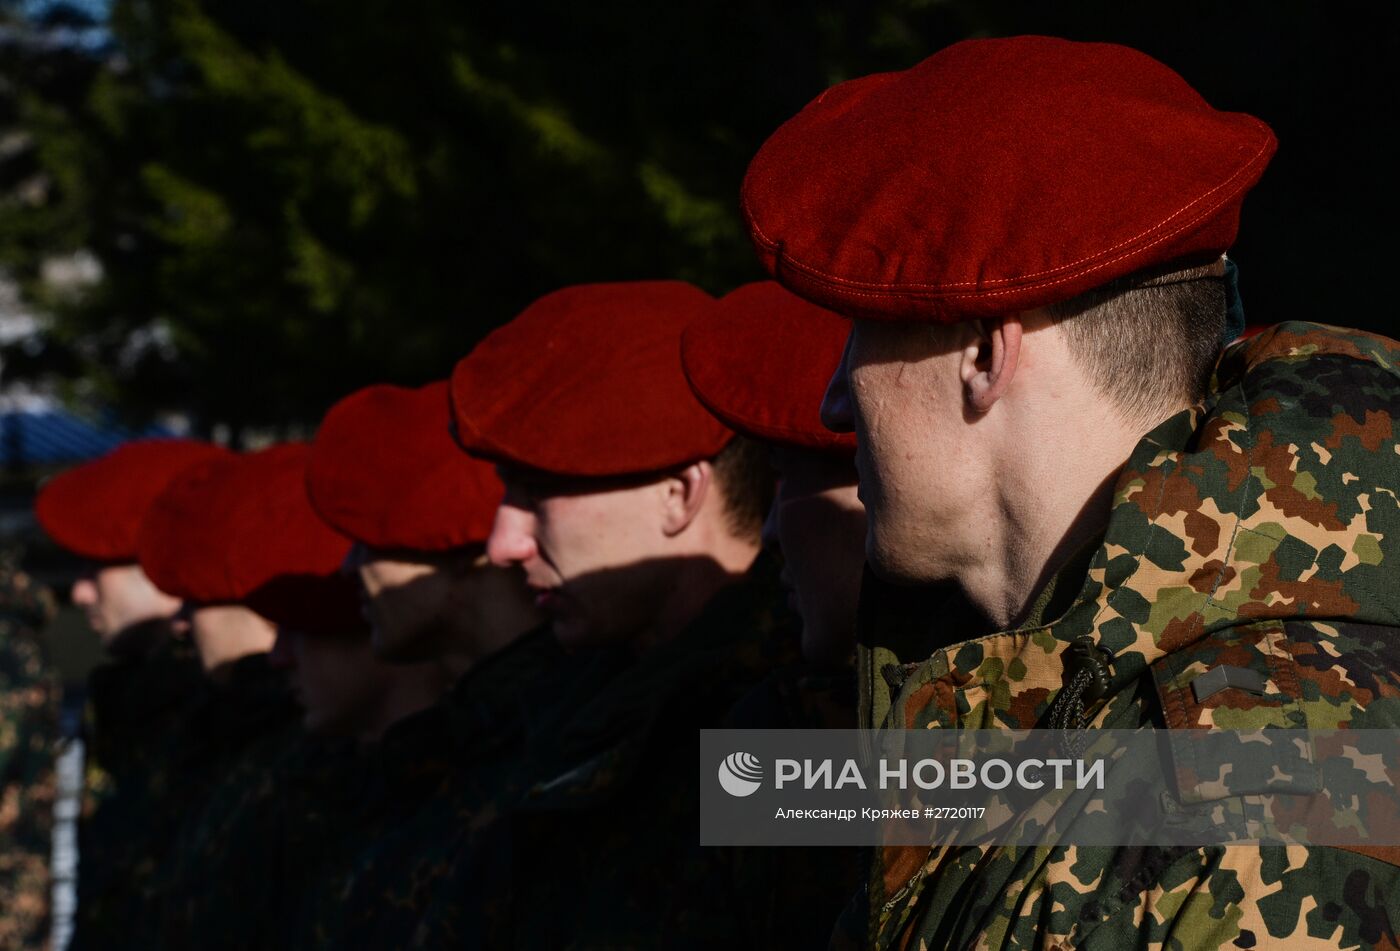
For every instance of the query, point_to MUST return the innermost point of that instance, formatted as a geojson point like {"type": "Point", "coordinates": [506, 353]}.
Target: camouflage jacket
{"type": "Point", "coordinates": [601, 849]}
{"type": "Point", "coordinates": [408, 883]}
{"type": "Point", "coordinates": [136, 710]}
{"type": "Point", "coordinates": [242, 735]}
{"type": "Point", "coordinates": [423, 791]}
{"type": "Point", "coordinates": [1258, 530]}
{"type": "Point", "coordinates": [29, 733]}
{"type": "Point", "coordinates": [312, 829]}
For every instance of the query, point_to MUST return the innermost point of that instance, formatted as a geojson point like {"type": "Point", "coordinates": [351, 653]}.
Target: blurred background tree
{"type": "Point", "coordinates": [243, 209]}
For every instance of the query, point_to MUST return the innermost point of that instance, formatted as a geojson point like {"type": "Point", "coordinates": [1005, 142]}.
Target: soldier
{"type": "Point", "coordinates": [385, 471]}
{"type": "Point", "coordinates": [29, 696]}
{"type": "Point", "coordinates": [240, 535]}
{"type": "Point", "coordinates": [136, 702]}
{"type": "Point", "coordinates": [1028, 234]}
{"type": "Point", "coordinates": [636, 517]}
{"type": "Point", "coordinates": [760, 364]}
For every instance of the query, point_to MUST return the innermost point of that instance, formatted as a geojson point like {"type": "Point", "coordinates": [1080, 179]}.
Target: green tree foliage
{"type": "Point", "coordinates": [293, 198]}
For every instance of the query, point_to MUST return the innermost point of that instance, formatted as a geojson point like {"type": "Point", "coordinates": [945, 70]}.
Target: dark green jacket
{"type": "Point", "coordinates": [602, 847]}
{"type": "Point", "coordinates": [215, 886]}
{"type": "Point", "coordinates": [423, 791]}
{"type": "Point", "coordinates": [136, 711]}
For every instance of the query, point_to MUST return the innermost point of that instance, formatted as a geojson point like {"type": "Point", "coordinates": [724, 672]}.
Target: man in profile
{"type": "Point", "coordinates": [385, 471]}
{"type": "Point", "coordinates": [760, 363]}
{"type": "Point", "coordinates": [1028, 234]}
{"type": "Point", "coordinates": [271, 609]}
{"type": "Point", "coordinates": [138, 700]}
{"type": "Point", "coordinates": [636, 518]}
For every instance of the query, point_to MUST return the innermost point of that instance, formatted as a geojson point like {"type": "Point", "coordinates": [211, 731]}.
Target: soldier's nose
{"type": "Point", "coordinates": [512, 539]}
{"type": "Point", "coordinates": [84, 592]}
{"type": "Point", "coordinates": [837, 412]}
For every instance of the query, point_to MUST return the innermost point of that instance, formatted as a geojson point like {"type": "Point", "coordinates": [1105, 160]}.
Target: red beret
{"type": "Point", "coordinates": [762, 363]}
{"type": "Point", "coordinates": [95, 510]}
{"type": "Point", "coordinates": [385, 470]}
{"type": "Point", "coordinates": [997, 176]}
{"type": "Point", "coordinates": [241, 529]}
{"type": "Point", "coordinates": [588, 382]}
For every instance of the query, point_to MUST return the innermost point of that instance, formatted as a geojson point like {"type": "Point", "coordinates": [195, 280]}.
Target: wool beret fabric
{"type": "Point", "coordinates": [998, 175]}
{"type": "Point", "coordinates": [95, 510]}
{"type": "Point", "coordinates": [762, 362]}
{"type": "Point", "coordinates": [385, 471]}
{"type": "Point", "coordinates": [587, 381]}
{"type": "Point", "coordinates": [241, 530]}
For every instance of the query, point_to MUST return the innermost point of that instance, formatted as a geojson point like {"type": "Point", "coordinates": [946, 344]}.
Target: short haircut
{"type": "Point", "coordinates": [1148, 342]}
{"type": "Point", "coordinates": [745, 480]}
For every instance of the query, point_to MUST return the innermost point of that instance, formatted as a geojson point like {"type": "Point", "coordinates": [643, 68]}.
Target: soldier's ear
{"type": "Point", "coordinates": [989, 361]}
{"type": "Point", "coordinates": [683, 492]}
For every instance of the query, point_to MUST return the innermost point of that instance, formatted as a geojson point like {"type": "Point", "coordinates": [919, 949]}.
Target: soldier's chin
{"type": "Point", "coordinates": [400, 647]}
{"type": "Point", "coordinates": [889, 562]}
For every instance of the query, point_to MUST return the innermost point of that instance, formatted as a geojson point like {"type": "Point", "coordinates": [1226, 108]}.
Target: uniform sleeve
{"type": "Point", "coordinates": [1261, 897]}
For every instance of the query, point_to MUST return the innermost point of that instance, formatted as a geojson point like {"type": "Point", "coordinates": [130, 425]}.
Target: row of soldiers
{"type": "Point", "coordinates": [368, 692]}
{"type": "Point", "coordinates": [983, 435]}
{"type": "Point", "coordinates": [364, 693]}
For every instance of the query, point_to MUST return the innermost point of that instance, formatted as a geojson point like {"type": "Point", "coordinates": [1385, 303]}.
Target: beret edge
{"type": "Point", "coordinates": [840, 287]}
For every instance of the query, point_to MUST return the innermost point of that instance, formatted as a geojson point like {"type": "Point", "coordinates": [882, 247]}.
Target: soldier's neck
{"type": "Point", "coordinates": [140, 641]}
{"type": "Point", "coordinates": [696, 582]}
{"type": "Point", "coordinates": [494, 620]}
{"type": "Point", "coordinates": [1051, 507]}
{"type": "Point", "coordinates": [410, 689]}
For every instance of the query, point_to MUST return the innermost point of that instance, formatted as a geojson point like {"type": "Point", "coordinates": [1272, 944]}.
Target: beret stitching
{"type": "Point", "coordinates": [850, 286]}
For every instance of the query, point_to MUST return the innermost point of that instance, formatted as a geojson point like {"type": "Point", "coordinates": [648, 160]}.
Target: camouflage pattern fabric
{"type": "Point", "coordinates": [363, 892]}
{"type": "Point", "coordinates": [243, 735]}
{"type": "Point", "coordinates": [314, 829]}
{"type": "Point", "coordinates": [601, 849]}
{"type": "Point", "coordinates": [430, 785]}
{"type": "Point", "coordinates": [1259, 530]}
{"type": "Point", "coordinates": [136, 710]}
{"type": "Point", "coordinates": [29, 733]}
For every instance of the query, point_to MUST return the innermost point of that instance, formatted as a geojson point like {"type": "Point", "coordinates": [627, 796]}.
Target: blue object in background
{"type": "Point", "coordinates": [54, 436]}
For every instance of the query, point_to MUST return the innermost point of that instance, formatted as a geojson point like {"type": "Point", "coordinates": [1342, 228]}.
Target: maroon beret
{"type": "Point", "coordinates": [241, 529]}
{"type": "Point", "coordinates": [95, 509]}
{"type": "Point", "coordinates": [761, 364]}
{"type": "Point", "coordinates": [385, 470]}
{"type": "Point", "coordinates": [587, 381]}
{"type": "Point", "coordinates": [996, 176]}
